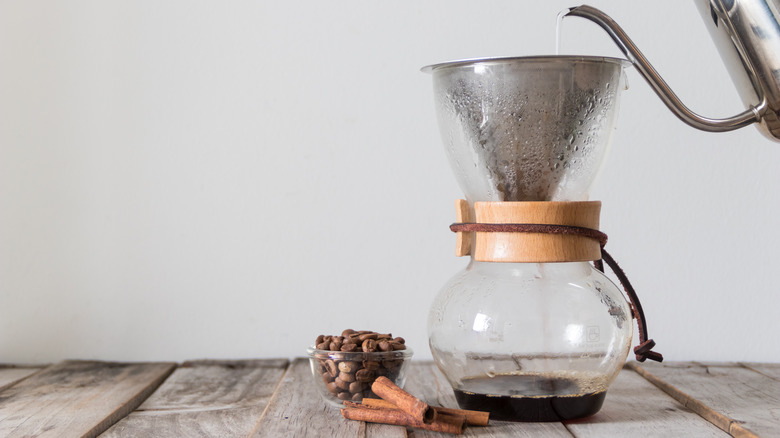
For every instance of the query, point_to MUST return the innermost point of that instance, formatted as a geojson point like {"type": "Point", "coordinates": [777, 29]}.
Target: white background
{"type": "Point", "coordinates": [189, 179]}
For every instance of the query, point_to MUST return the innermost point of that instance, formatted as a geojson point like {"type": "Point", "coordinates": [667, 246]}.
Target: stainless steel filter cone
{"type": "Point", "coordinates": [527, 129]}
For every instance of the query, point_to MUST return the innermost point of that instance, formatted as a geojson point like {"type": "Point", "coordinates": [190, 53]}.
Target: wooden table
{"type": "Point", "coordinates": [276, 398]}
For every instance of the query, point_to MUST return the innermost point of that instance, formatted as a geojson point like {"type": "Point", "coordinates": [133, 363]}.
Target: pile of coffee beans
{"type": "Point", "coordinates": [346, 371]}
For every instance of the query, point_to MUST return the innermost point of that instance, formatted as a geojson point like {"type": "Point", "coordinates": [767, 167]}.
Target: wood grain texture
{"type": "Point", "coordinates": [10, 374]}
{"type": "Point", "coordinates": [739, 400]}
{"type": "Point", "coordinates": [463, 241]}
{"type": "Point", "coordinates": [536, 247]}
{"type": "Point", "coordinates": [385, 431]}
{"type": "Point", "coordinates": [77, 398]}
{"type": "Point", "coordinates": [297, 410]}
{"type": "Point", "coordinates": [771, 370]}
{"type": "Point", "coordinates": [636, 408]}
{"type": "Point", "coordinates": [429, 384]}
{"type": "Point", "coordinates": [206, 399]}
{"type": "Point", "coordinates": [267, 398]}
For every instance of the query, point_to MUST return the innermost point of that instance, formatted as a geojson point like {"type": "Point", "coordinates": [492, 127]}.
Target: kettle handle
{"type": "Point", "coordinates": [752, 115]}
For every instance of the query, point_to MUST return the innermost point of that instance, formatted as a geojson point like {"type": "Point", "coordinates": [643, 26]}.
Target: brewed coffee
{"type": "Point", "coordinates": [530, 398]}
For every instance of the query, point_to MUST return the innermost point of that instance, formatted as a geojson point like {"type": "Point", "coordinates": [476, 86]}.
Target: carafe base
{"type": "Point", "coordinates": [530, 404]}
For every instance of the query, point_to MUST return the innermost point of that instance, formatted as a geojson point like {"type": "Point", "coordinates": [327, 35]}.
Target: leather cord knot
{"type": "Point", "coordinates": [643, 351]}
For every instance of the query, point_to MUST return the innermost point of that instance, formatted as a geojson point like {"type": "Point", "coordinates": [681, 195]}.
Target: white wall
{"type": "Point", "coordinates": [190, 179]}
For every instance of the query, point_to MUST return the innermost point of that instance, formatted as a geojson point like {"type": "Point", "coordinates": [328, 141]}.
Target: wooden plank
{"type": "Point", "coordinates": [739, 400]}
{"type": "Point", "coordinates": [77, 398]}
{"type": "Point", "coordinates": [374, 430]}
{"type": "Point", "coordinates": [771, 370]}
{"type": "Point", "coordinates": [429, 384]}
{"type": "Point", "coordinates": [11, 374]}
{"type": "Point", "coordinates": [297, 410]}
{"type": "Point", "coordinates": [205, 398]}
{"type": "Point", "coordinates": [634, 407]}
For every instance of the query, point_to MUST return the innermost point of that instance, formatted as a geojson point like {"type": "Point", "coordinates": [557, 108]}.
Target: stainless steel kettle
{"type": "Point", "coordinates": [747, 35]}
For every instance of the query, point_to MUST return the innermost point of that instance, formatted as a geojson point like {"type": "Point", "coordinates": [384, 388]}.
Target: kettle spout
{"type": "Point", "coordinates": [646, 70]}
{"type": "Point", "coordinates": [608, 24]}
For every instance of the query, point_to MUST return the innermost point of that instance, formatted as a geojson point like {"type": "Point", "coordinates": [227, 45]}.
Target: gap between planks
{"type": "Point", "coordinates": [206, 398]}
{"type": "Point", "coordinates": [691, 390]}
{"type": "Point", "coordinates": [296, 409]}
{"type": "Point", "coordinates": [77, 398]}
{"type": "Point", "coordinates": [12, 374]}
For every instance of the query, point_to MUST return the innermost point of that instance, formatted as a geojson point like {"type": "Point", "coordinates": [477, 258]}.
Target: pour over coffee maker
{"type": "Point", "coordinates": [529, 330]}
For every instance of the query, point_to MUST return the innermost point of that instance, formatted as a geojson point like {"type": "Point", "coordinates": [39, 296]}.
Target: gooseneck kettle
{"type": "Point", "coordinates": [747, 35]}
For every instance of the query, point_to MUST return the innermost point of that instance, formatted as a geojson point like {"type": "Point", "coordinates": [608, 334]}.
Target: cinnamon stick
{"type": "Point", "coordinates": [406, 402]}
{"type": "Point", "coordinates": [473, 418]}
{"type": "Point", "coordinates": [446, 423]}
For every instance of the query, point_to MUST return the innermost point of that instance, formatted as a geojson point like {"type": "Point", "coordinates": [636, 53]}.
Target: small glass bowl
{"type": "Point", "coordinates": [341, 376]}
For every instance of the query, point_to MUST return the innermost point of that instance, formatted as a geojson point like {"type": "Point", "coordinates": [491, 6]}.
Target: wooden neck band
{"type": "Point", "coordinates": [530, 247]}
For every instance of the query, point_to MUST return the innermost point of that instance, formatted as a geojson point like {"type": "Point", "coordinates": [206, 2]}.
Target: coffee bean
{"type": "Point", "coordinates": [364, 375]}
{"type": "Point", "coordinates": [350, 347]}
{"type": "Point", "coordinates": [365, 336]}
{"type": "Point", "coordinates": [398, 346]}
{"type": "Point", "coordinates": [391, 364]}
{"type": "Point", "coordinates": [371, 364]}
{"type": "Point", "coordinates": [348, 366]}
{"type": "Point", "coordinates": [384, 345]}
{"type": "Point", "coordinates": [332, 388]}
{"type": "Point", "coordinates": [355, 387]}
{"type": "Point", "coordinates": [342, 384]}
{"type": "Point", "coordinates": [369, 345]}
{"type": "Point", "coordinates": [346, 395]}
{"type": "Point", "coordinates": [346, 377]}
{"type": "Point", "coordinates": [332, 368]}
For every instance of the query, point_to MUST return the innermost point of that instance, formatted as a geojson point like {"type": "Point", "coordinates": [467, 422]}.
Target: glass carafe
{"type": "Point", "coordinates": [528, 341]}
